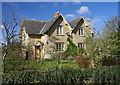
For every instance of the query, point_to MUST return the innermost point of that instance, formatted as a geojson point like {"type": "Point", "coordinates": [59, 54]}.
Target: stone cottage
{"type": "Point", "coordinates": [50, 36]}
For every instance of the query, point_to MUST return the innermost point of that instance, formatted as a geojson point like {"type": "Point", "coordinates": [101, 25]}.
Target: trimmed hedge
{"type": "Point", "coordinates": [106, 74]}
{"type": "Point", "coordinates": [21, 78]}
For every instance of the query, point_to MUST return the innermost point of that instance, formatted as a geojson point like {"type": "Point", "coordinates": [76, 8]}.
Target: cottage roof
{"type": "Point", "coordinates": [33, 26]}
{"type": "Point", "coordinates": [37, 26]}
{"type": "Point", "coordinates": [73, 23]}
{"type": "Point", "coordinates": [40, 27]}
{"type": "Point", "coordinates": [49, 23]}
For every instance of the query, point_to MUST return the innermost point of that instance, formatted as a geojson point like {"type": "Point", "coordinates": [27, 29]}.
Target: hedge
{"type": "Point", "coordinates": [107, 74]}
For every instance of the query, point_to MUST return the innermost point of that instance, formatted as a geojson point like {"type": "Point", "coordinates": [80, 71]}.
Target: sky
{"type": "Point", "coordinates": [98, 11]}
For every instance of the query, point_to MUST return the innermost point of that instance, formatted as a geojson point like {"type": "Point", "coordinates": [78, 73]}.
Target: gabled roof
{"type": "Point", "coordinates": [49, 23]}
{"type": "Point", "coordinates": [73, 23]}
{"type": "Point", "coordinates": [41, 27]}
{"type": "Point", "coordinates": [33, 26]}
{"type": "Point", "coordinates": [37, 26]}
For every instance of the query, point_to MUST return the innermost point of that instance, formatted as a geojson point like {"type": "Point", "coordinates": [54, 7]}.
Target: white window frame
{"type": "Point", "coordinates": [60, 30]}
{"type": "Point", "coordinates": [23, 36]}
{"type": "Point", "coordinates": [81, 31]}
{"type": "Point", "coordinates": [81, 45]}
{"type": "Point", "coordinates": [60, 46]}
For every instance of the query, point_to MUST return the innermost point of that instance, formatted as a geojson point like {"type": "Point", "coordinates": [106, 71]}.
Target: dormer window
{"type": "Point", "coordinates": [81, 31]}
{"type": "Point", "coordinates": [60, 30]}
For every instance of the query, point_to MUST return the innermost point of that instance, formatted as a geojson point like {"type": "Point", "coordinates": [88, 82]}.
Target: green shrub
{"type": "Point", "coordinates": [81, 51]}
{"type": "Point", "coordinates": [107, 74]}
{"type": "Point", "coordinates": [23, 78]}
{"type": "Point", "coordinates": [71, 49]}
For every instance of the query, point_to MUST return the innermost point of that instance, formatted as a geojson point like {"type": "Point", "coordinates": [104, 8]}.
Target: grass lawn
{"type": "Point", "coordinates": [48, 64]}
{"type": "Point", "coordinates": [35, 65]}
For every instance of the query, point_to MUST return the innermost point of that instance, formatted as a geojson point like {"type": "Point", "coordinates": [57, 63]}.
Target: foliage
{"type": "Point", "coordinates": [82, 61]}
{"type": "Point", "coordinates": [14, 57]}
{"type": "Point", "coordinates": [107, 45]}
{"type": "Point", "coordinates": [81, 51]}
{"type": "Point", "coordinates": [71, 49]}
{"type": "Point", "coordinates": [20, 64]}
{"type": "Point", "coordinates": [19, 78]}
{"type": "Point", "coordinates": [110, 62]}
{"type": "Point", "coordinates": [108, 75]}
{"type": "Point", "coordinates": [11, 24]}
{"type": "Point", "coordinates": [51, 75]}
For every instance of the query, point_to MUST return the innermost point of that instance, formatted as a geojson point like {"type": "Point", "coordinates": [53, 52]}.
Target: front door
{"type": "Point", "coordinates": [37, 52]}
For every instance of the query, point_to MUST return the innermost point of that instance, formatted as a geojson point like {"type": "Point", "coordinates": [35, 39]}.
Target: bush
{"type": "Point", "coordinates": [23, 78]}
{"type": "Point", "coordinates": [82, 61]}
{"type": "Point", "coordinates": [81, 51]}
{"type": "Point", "coordinates": [13, 62]}
{"type": "Point", "coordinates": [107, 75]}
{"type": "Point", "coordinates": [110, 62]}
{"type": "Point", "coordinates": [66, 75]}
{"type": "Point", "coordinates": [71, 49]}
{"type": "Point", "coordinates": [51, 75]}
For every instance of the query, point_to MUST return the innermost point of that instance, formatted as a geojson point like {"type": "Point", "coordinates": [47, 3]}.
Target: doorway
{"type": "Point", "coordinates": [37, 52]}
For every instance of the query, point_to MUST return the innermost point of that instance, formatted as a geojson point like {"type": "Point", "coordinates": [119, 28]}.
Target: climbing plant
{"type": "Point", "coordinates": [71, 49]}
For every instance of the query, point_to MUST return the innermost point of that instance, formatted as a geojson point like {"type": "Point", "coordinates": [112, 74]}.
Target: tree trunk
{"type": "Point", "coordinates": [4, 56]}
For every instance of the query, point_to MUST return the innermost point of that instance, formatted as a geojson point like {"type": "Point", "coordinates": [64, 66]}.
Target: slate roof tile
{"type": "Point", "coordinates": [73, 23]}
{"type": "Point", "coordinates": [39, 27]}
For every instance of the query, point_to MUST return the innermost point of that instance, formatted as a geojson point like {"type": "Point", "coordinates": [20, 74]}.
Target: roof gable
{"type": "Point", "coordinates": [33, 26]}
{"type": "Point", "coordinates": [75, 22]}
{"type": "Point", "coordinates": [49, 23]}
{"type": "Point", "coordinates": [41, 27]}
{"type": "Point", "coordinates": [37, 26]}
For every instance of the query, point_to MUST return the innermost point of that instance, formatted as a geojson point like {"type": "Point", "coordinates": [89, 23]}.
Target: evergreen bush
{"type": "Point", "coordinates": [106, 75]}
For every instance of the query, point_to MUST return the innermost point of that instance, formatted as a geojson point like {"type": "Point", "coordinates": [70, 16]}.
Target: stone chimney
{"type": "Point", "coordinates": [56, 13]}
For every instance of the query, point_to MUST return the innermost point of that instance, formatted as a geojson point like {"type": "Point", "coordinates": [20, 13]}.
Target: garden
{"type": "Point", "coordinates": [98, 63]}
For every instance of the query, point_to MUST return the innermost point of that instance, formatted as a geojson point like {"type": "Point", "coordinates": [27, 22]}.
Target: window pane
{"type": "Point", "coordinates": [62, 47]}
{"type": "Point", "coordinates": [58, 30]}
{"type": "Point", "coordinates": [81, 31]}
{"type": "Point", "coordinates": [80, 45]}
{"type": "Point", "coordinates": [59, 47]}
{"type": "Point", "coordinates": [56, 47]}
{"type": "Point", "coordinates": [83, 46]}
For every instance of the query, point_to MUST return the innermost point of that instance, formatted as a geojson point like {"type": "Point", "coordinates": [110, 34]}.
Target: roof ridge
{"type": "Point", "coordinates": [54, 18]}
{"type": "Point", "coordinates": [35, 20]}
{"type": "Point", "coordinates": [74, 23]}
{"type": "Point", "coordinates": [76, 18]}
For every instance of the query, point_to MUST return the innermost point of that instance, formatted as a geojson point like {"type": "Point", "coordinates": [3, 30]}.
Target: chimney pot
{"type": "Point", "coordinates": [56, 13]}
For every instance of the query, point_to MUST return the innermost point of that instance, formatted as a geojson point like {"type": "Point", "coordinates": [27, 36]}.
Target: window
{"type": "Point", "coordinates": [60, 30]}
{"type": "Point", "coordinates": [81, 31]}
{"type": "Point", "coordinates": [92, 34]}
{"type": "Point", "coordinates": [59, 46]}
{"type": "Point", "coordinates": [81, 45]}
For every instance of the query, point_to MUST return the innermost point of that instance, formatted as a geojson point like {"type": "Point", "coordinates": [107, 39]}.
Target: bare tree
{"type": "Point", "coordinates": [10, 23]}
